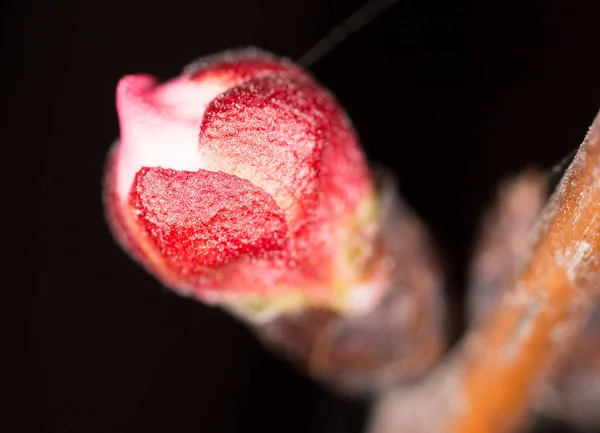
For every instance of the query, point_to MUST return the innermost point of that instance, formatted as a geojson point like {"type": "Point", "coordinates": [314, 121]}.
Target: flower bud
{"type": "Point", "coordinates": [242, 183]}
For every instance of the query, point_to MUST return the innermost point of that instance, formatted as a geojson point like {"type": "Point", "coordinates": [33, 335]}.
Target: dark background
{"type": "Point", "coordinates": [451, 95]}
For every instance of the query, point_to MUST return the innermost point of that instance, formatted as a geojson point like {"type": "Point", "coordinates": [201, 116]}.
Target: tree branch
{"type": "Point", "coordinates": [488, 384]}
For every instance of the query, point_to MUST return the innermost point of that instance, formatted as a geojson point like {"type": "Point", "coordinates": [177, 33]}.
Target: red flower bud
{"type": "Point", "coordinates": [242, 182]}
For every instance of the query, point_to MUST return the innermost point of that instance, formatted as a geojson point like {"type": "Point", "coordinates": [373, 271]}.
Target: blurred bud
{"type": "Point", "coordinates": [504, 239]}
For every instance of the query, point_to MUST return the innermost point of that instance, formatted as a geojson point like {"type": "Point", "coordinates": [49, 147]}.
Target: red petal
{"type": "Point", "coordinates": [205, 219]}
{"type": "Point", "coordinates": [270, 131]}
{"type": "Point", "coordinates": [236, 66]}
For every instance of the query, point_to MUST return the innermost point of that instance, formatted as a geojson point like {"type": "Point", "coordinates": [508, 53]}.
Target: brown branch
{"type": "Point", "coordinates": [489, 383]}
{"type": "Point", "coordinates": [547, 305]}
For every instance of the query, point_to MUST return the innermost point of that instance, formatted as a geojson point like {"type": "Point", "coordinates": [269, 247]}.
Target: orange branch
{"type": "Point", "coordinates": [489, 383]}
{"type": "Point", "coordinates": [543, 310]}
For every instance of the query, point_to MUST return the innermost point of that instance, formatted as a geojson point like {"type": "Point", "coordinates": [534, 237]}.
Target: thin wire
{"type": "Point", "coordinates": [364, 15]}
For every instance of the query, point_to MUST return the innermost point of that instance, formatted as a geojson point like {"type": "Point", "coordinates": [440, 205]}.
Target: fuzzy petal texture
{"type": "Point", "coordinates": [242, 182]}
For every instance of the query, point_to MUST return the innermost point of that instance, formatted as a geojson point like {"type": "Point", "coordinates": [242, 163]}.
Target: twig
{"type": "Point", "coordinates": [488, 385]}
{"type": "Point", "coordinates": [545, 308]}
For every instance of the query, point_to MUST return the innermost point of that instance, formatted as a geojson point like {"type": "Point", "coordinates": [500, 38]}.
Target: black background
{"type": "Point", "coordinates": [451, 95]}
